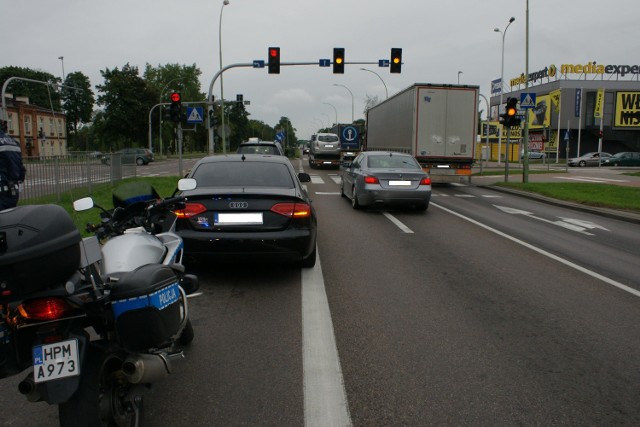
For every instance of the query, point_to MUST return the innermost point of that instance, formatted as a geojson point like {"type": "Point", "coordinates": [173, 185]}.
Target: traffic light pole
{"type": "Point", "coordinates": [506, 160]}
{"type": "Point", "coordinates": [250, 65]}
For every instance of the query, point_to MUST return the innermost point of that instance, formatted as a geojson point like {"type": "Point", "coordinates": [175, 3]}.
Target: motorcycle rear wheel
{"type": "Point", "coordinates": [101, 398]}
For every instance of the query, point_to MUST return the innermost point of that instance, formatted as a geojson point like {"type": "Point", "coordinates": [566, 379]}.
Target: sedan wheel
{"type": "Point", "coordinates": [354, 199]}
{"type": "Point", "coordinates": [582, 163]}
{"type": "Point", "coordinates": [139, 161]}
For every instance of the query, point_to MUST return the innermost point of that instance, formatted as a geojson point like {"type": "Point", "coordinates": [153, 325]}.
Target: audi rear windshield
{"type": "Point", "coordinates": [243, 174]}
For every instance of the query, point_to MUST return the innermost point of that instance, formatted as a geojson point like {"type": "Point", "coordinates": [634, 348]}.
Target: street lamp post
{"type": "Point", "coordinates": [459, 72]}
{"type": "Point", "coordinates": [61, 58]}
{"type": "Point", "coordinates": [504, 33]}
{"type": "Point", "coordinates": [383, 83]}
{"type": "Point", "coordinates": [334, 109]}
{"type": "Point", "coordinates": [224, 134]}
{"type": "Point", "coordinates": [352, 99]}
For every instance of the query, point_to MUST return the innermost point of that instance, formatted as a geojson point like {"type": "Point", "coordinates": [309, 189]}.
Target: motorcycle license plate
{"type": "Point", "coordinates": [55, 361]}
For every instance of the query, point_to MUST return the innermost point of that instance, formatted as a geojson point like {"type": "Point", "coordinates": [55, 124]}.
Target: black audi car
{"type": "Point", "coordinates": [248, 205]}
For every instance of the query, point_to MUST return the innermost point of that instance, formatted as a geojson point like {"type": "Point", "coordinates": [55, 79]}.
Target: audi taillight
{"type": "Point", "coordinates": [425, 181]}
{"type": "Point", "coordinates": [371, 180]}
{"type": "Point", "coordinates": [190, 210]}
{"type": "Point", "coordinates": [45, 309]}
{"type": "Point", "coordinates": [292, 210]}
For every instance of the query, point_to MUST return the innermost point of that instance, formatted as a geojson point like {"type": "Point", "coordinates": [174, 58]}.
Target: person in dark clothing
{"type": "Point", "coordinates": [11, 170]}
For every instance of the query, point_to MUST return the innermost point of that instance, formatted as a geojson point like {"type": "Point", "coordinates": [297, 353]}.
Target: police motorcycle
{"type": "Point", "coordinates": [93, 333]}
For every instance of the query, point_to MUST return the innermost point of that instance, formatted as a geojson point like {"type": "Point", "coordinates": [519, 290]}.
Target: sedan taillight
{"type": "Point", "coordinates": [371, 180]}
{"type": "Point", "coordinates": [425, 181]}
{"type": "Point", "coordinates": [190, 210]}
{"type": "Point", "coordinates": [292, 210]}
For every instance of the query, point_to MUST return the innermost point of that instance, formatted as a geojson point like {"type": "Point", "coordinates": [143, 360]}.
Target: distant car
{"type": "Point", "coordinates": [257, 146]}
{"type": "Point", "coordinates": [589, 159]}
{"type": "Point", "coordinates": [625, 158]}
{"type": "Point", "coordinates": [305, 150]}
{"type": "Point", "coordinates": [535, 155]}
{"type": "Point", "coordinates": [386, 178]}
{"type": "Point", "coordinates": [248, 206]}
{"type": "Point", "coordinates": [129, 156]}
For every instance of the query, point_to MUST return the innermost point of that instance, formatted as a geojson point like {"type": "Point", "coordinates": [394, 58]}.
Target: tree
{"type": "Point", "coordinates": [163, 80]}
{"type": "Point", "coordinates": [126, 99]}
{"type": "Point", "coordinates": [78, 100]}
{"type": "Point", "coordinates": [239, 122]}
{"type": "Point", "coordinates": [370, 102]}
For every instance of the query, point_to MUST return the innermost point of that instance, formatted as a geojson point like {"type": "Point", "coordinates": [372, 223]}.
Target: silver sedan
{"type": "Point", "coordinates": [386, 178]}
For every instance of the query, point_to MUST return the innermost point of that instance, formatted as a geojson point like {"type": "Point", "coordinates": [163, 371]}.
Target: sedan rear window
{"type": "Point", "coordinates": [257, 149]}
{"type": "Point", "coordinates": [243, 174]}
{"type": "Point", "coordinates": [395, 162]}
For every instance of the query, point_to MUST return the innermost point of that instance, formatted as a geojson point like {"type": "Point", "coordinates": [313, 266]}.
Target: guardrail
{"type": "Point", "coordinates": [55, 175]}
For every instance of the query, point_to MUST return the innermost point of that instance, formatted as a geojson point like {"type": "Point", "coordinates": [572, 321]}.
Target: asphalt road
{"type": "Point", "coordinates": [473, 313]}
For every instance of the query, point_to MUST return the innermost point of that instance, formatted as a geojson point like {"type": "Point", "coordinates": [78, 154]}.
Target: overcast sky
{"type": "Point", "coordinates": [439, 39]}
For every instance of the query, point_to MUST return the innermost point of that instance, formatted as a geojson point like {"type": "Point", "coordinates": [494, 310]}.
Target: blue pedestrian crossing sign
{"type": "Point", "coordinates": [527, 100]}
{"type": "Point", "coordinates": [195, 114]}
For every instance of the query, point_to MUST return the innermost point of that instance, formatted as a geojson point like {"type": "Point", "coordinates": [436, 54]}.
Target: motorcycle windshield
{"type": "Point", "coordinates": [133, 192]}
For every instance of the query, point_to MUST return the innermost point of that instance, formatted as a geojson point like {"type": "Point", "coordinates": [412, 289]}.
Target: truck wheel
{"type": "Point", "coordinates": [354, 200]}
{"type": "Point", "coordinates": [101, 398]}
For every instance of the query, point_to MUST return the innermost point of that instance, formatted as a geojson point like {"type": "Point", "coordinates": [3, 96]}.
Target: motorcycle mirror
{"type": "Point", "coordinates": [83, 204]}
{"type": "Point", "coordinates": [186, 184]}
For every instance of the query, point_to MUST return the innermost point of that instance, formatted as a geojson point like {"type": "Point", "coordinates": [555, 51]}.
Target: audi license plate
{"type": "Point", "coordinates": [249, 218]}
{"type": "Point", "coordinates": [55, 361]}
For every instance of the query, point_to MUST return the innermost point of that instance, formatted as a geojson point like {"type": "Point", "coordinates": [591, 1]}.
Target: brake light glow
{"type": "Point", "coordinates": [190, 210]}
{"type": "Point", "coordinates": [292, 210]}
{"type": "Point", "coordinates": [371, 180]}
{"type": "Point", "coordinates": [44, 309]}
{"type": "Point", "coordinates": [425, 181]}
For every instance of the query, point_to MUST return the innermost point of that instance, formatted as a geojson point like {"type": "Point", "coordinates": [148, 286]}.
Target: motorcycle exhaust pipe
{"type": "Point", "coordinates": [148, 368]}
{"type": "Point", "coordinates": [27, 387]}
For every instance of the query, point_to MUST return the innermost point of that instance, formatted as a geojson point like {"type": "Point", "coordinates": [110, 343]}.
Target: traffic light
{"type": "Point", "coordinates": [396, 60]}
{"type": "Point", "coordinates": [510, 116]}
{"type": "Point", "coordinates": [274, 60]}
{"type": "Point", "coordinates": [175, 110]}
{"type": "Point", "coordinates": [338, 60]}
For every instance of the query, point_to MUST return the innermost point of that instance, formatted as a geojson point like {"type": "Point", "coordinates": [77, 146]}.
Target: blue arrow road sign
{"type": "Point", "coordinates": [383, 62]}
{"type": "Point", "coordinates": [258, 63]}
{"type": "Point", "coordinates": [325, 62]}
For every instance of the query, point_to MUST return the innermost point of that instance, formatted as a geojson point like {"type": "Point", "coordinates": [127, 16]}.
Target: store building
{"type": "Point", "coordinates": [41, 132]}
{"type": "Point", "coordinates": [577, 108]}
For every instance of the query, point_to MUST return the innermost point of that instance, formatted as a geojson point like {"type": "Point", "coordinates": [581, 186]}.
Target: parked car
{"type": "Point", "coordinates": [386, 178]}
{"type": "Point", "coordinates": [589, 159]}
{"type": "Point", "coordinates": [534, 155]}
{"type": "Point", "coordinates": [248, 206]}
{"type": "Point", "coordinates": [257, 146]}
{"type": "Point", "coordinates": [138, 156]}
{"type": "Point", "coordinates": [625, 158]}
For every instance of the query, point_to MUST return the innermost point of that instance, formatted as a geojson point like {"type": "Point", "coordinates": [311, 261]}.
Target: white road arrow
{"type": "Point", "coordinates": [576, 225]}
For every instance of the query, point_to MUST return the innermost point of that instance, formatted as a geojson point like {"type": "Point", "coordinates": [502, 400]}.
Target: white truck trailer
{"type": "Point", "coordinates": [437, 124]}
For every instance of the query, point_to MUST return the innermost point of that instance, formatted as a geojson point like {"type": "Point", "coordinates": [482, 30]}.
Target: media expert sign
{"type": "Point", "coordinates": [627, 112]}
{"type": "Point", "coordinates": [582, 69]}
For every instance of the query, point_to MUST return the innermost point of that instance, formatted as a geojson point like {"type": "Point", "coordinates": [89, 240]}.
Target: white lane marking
{"type": "Point", "coordinates": [545, 253]}
{"type": "Point", "coordinates": [568, 225]}
{"type": "Point", "coordinates": [397, 222]}
{"type": "Point", "coordinates": [315, 179]}
{"type": "Point", "coordinates": [327, 193]}
{"type": "Point", "coordinates": [336, 178]}
{"type": "Point", "coordinates": [325, 399]}
{"type": "Point", "coordinates": [591, 179]}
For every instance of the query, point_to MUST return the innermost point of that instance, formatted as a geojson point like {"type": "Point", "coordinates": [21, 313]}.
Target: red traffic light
{"type": "Point", "coordinates": [274, 60]}
{"type": "Point", "coordinates": [175, 97]}
{"type": "Point", "coordinates": [273, 52]}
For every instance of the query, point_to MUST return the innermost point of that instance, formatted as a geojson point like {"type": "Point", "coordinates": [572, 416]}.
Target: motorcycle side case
{"type": "Point", "coordinates": [130, 251]}
{"type": "Point", "coordinates": [39, 249]}
{"type": "Point", "coordinates": [147, 308]}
